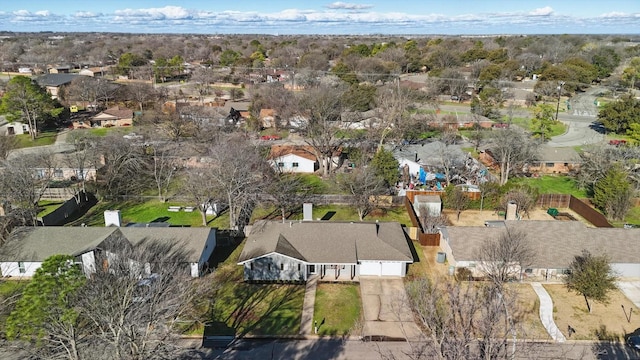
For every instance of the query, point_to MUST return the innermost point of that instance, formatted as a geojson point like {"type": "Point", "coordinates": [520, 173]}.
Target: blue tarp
{"type": "Point", "coordinates": [422, 176]}
{"type": "Point", "coordinates": [440, 176]}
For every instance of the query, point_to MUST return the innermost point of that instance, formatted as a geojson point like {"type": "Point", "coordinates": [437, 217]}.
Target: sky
{"type": "Point", "coordinates": [459, 17]}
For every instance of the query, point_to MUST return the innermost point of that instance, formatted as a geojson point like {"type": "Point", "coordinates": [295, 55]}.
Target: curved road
{"type": "Point", "coordinates": [583, 113]}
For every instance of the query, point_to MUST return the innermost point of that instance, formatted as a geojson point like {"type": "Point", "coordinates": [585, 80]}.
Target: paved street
{"type": "Point", "coordinates": [320, 349]}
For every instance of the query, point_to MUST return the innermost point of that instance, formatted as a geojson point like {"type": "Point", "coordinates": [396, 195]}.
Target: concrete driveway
{"type": "Point", "coordinates": [386, 310]}
{"type": "Point", "coordinates": [631, 290]}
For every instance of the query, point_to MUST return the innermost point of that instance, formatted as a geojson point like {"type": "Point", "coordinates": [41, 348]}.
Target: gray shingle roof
{"type": "Point", "coordinates": [328, 242]}
{"type": "Point", "coordinates": [55, 79]}
{"type": "Point", "coordinates": [38, 243]}
{"type": "Point", "coordinates": [554, 242]}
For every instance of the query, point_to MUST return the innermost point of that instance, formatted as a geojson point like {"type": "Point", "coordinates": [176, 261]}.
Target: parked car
{"type": "Point", "coordinates": [616, 142]}
{"type": "Point", "coordinates": [269, 137]}
{"type": "Point", "coordinates": [634, 342]}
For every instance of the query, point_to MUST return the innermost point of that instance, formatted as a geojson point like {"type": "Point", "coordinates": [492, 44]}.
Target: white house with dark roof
{"type": "Point", "coordinates": [554, 242]}
{"type": "Point", "coordinates": [293, 251]}
{"type": "Point", "coordinates": [28, 247]}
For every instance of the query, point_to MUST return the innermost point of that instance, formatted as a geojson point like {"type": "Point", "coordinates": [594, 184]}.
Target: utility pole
{"type": "Point", "coordinates": [559, 93]}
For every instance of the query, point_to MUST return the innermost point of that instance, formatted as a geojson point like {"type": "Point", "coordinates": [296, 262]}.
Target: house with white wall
{"type": "Point", "coordinates": [293, 251]}
{"type": "Point", "coordinates": [293, 159]}
{"type": "Point", "coordinates": [28, 247]}
{"type": "Point", "coordinates": [554, 242]}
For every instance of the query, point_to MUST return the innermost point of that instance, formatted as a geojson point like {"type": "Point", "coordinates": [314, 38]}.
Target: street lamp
{"type": "Point", "coordinates": [559, 92]}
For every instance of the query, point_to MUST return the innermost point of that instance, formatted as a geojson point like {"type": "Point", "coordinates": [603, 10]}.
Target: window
{"type": "Point", "coordinates": [299, 267]}
{"type": "Point", "coordinates": [295, 164]}
{"type": "Point", "coordinates": [21, 267]}
{"type": "Point", "coordinates": [251, 266]}
{"type": "Point", "coordinates": [39, 173]}
{"type": "Point", "coordinates": [280, 164]}
{"type": "Point", "coordinates": [548, 164]}
{"type": "Point", "coordinates": [281, 266]}
{"type": "Point", "coordinates": [57, 173]}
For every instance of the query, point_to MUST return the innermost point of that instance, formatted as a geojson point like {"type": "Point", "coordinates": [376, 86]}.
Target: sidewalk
{"type": "Point", "coordinates": [546, 312]}
{"type": "Point", "coordinates": [306, 321]}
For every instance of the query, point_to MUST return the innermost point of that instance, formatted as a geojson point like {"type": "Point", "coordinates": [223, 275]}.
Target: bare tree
{"type": "Point", "coordinates": [164, 167]}
{"type": "Point", "coordinates": [124, 171]}
{"type": "Point", "coordinates": [7, 143]}
{"type": "Point", "coordinates": [502, 260]}
{"type": "Point", "coordinates": [457, 199]}
{"type": "Point", "coordinates": [364, 185]}
{"type": "Point", "coordinates": [199, 187]}
{"type": "Point", "coordinates": [238, 174]}
{"type": "Point", "coordinates": [132, 318]}
{"type": "Point", "coordinates": [431, 223]}
{"type": "Point", "coordinates": [81, 158]}
{"type": "Point", "coordinates": [322, 108]}
{"type": "Point", "coordinates": [392, 103]}
{"type": "Point", "coordinates": [511, 150]}
{"type": "Point", "coordinates": [288, 192]}
{"type": "Point", "coordinates": [24, 180]}
{"type": "Point", "coordinates": [524, 197]}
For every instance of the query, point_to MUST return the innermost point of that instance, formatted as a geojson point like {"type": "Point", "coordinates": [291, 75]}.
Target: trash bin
{"type": "Point", "coordinates": [441, 257]}
{"type": "Point", "coordinates": [553, 212]}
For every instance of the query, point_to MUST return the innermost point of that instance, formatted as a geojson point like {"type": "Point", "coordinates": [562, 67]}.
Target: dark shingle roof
{"type": "Point", "coordinates": [328, 242]}
{"type": "Point", "coordinates": [554, 242]}
{"type": "Point", "coordinates": [55, 79]}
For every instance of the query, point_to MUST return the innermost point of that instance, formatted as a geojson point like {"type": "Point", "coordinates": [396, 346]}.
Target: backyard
{"type": "Point", "coordinates": [337, 308]}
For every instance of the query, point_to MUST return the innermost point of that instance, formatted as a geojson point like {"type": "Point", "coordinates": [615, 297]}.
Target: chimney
{"type": "Point", "coordinates": [307, 211]}
{"type": "Point", "coordinates": [512, 211]}
{"type": "Point", "coordinates": [112, 217]}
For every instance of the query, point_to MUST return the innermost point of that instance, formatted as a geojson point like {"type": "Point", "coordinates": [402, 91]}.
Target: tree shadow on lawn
{"type": "Point", "coordinates": [261, 309]}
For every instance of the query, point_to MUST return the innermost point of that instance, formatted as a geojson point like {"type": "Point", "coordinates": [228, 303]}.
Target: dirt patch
{"type": "Point", "coordinates": [606, 322]}
{"type": "Point", "coordinates": [478, 218]}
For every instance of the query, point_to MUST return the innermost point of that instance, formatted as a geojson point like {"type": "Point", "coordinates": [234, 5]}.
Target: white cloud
{"type": "Point", "coordinates": [348, 6]}
{"type": "Point", "coordinates": [545, 11]}
{"type": "Point", "coordinates": [87, 14]}
{"type": "Point", "coordinates": [167, 12]}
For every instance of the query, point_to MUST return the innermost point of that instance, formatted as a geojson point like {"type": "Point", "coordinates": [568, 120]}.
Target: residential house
{"type": "Point", "coordinates": [61, 69]}
{"type": "Point", "coordinates": [554, 242]}
{"type": "Point", "coordinates": [293, 158]}
{"type": "Point", "coordinates": [555, 161]}
{"type": "Point", "coordinates": [293, 251]}
{"type": "Point", "coordinates": [54, 82]}
{"type": "Point", "coordinates": [115, 116]}
{"type": "Point", "coordinates": [13, 128]}
{"type": "Point", "coordinates": [28, 247]}
{"type": "Point", "coordinates": [94, 71]}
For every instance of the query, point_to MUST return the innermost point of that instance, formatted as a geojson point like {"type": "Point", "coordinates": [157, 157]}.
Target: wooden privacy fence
{"type": "Point", "coordinates": [580, 207]}
{"type": "Point", "coordinates": [411, 194]}
{"type": "Point", "coordinates": [424, 239]}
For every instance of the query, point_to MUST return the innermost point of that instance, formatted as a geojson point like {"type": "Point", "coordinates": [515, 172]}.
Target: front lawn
{"type": "Point", "coordinates": [337, 308]}
{"type": "Point", "coordinates": [44, 138]}
{"type": "Point", "coordinates": [549, 184]}
{"type": "Point", "coordinates": [605, 322]}
{"type": "Point", "coordinates": [239, 308]}
{"type": "Point", "coordinates": [557, 128]}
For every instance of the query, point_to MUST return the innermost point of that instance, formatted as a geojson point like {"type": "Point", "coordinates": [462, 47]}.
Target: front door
{"type": "Point", "coordinates": [311, 269]}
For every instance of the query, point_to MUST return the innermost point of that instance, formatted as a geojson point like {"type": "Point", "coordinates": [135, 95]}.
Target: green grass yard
{"type": "Point", "coordinates": [337, 308]}
{"type": "Point", "coordinates": [44, 138]}
{"type": "Point", "coordinates": [240, 308]}
{"type": "Point", "coordinates": [151, 210]}
{"type": "Point", "coordinates": [48, 206]}
{"type": "Point", "coordinates": [337, 213]}
{"type": "Point", "coordinates": [550, 184]}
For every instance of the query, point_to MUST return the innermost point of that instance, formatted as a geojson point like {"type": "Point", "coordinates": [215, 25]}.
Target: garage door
{"type": "Point", "coordinates": [378, 268]}
{"type": "Point", "coordinates": [370, 268]}
{"type": "Point", "coordinates": [391, 269]}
